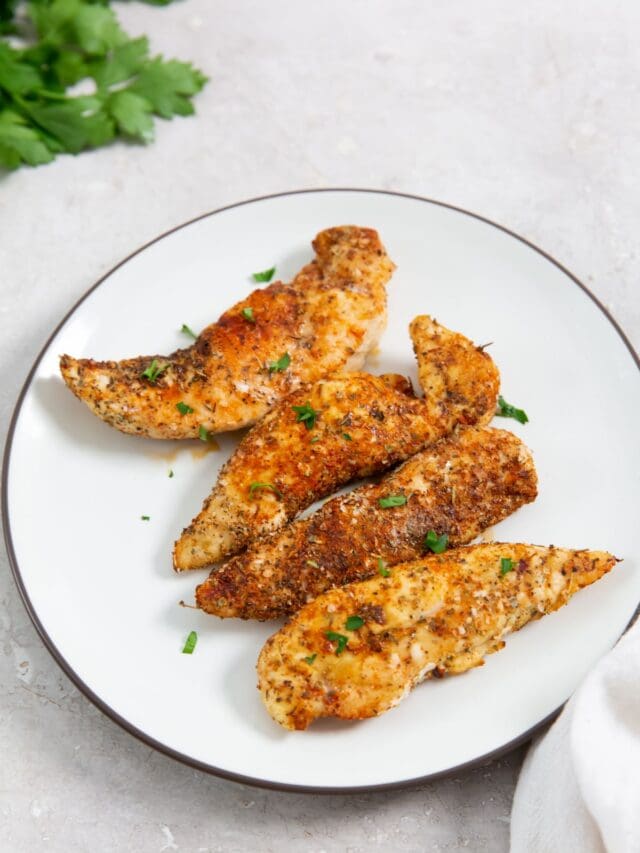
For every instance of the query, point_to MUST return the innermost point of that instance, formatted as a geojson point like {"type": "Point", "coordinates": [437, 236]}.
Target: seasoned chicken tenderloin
{"type": "Point", "coordinates": [357, 651]}
{"type": "Point", "coordinates": [459, 487]}
{"type": "Point", "coordinates": [258, 352]}
{"type": "Point", "coordinates": [341, 428]}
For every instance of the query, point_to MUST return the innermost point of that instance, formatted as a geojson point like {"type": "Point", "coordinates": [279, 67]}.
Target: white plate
{"type": "Point", "coordinates": [98, 581]}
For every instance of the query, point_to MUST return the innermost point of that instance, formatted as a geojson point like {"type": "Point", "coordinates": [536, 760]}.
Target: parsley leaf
{"type": "Point", "coordinates": [145, 517]}
{"type": "Point", "coordinates": [267, 275]}
{"type": "Point", "coordinates": [184, 409]}
{"type": "Point", "coordinates": [506, 565]}
{"type": "Point", "coordinates": [167, 86]}
{"type": "Point", "coordinates": [392, 500]}
{"type": "Point", "coordinates": [254, 487]}
{"type": "Point", "coordinates": [346, 436]}
{"type": "Point", "coordinates": [281, 364]}
{"type": "Point", "coordinates": [153, 371]}
{"type": "Point", "coordinates": [190, 643]}
{"type": "Point", "coordinates": [247, 313]}
{"type": "Point", "coordinates": [306, 414]}
{"type": "Point", "coordinates": [189, 332]}
{"type": "Point", "coordinates": [311, 658]}
{"type": "Point", "coordinates": [170, 472]}
{"type": "Point", "coordinates": [204, 434]}
{"type": "Point", "coordinates": [20, 143]}
{"type": "Point", "coordinates": [353, 623]}
{"type": "Point", "coordinates": [506, 410]}
{"type": "Point", "coordinates": [314, 439]}
{"type": "Point", "coordinates": [436, 543]}
{"type": "Point", "coordinates": [132, 115]}
{"type": "Point", "coordinates": [382, 568]}
{"type": "Point", "coordinates": [340, 639]}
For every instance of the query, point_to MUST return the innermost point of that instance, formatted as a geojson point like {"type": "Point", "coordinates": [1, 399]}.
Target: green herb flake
{"type": "Point", "coordinates": [190, 644]}
{"type": "Point", "coordinates": [189, 332]}
{"type": "Point", "coordinates": [145, 517]}
{"type": "Point", "coordinates": [314, 439]}
{"type": "Point", "coordinates": [204, 434]}
{"type": "Point", "coordinates": [170, 473]}
{"type": "Point", "coordinates": [506, 410]}
{"type": "Point", "coordinates": [306, 415]}
{"type": "Point", "coordinates": [254, 487]}
{"type": "Point", "coordinates": [346, 436]}
{"type": "Point", "coordinates": [353, 623]}
{"type": "Point", "coordinates": [266, 275]}
{"type": "Point", "coordinates": [382, 568]}
{"type": "Point", "coordinates": [339, 639]}
{"type": "Point", "coordinates": [184, 409]}
{"type": "Point", "coordinates": [281, 364]}
{"type": "Point", "coordinates": [506, 565]}
{"type": "Point", "coordinates": [435, 543]}
{"type": "Point", "coordinates": [313, 564]}
{"type": "Point", "coordinates": [311, 658]}
{"type": "Point", "coordinates": [392, 500]}
{"type": "Point", "coordinates": [153, 371]}
{"type": "Point", "coordinates": [247, 313]}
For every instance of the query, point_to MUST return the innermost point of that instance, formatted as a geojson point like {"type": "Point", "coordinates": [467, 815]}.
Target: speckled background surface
{"type": "Point", "coordinates": [526, 114]}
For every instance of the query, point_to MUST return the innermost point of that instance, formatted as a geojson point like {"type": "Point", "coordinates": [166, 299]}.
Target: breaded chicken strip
{"type": "Point", "coordinates": [459, 487]}
{"type": "Point", "coordinates": [258, 352]}
{"type": "Point", "coordinates": [358, 650]}
{"type": "Point", "coordinates": [341, 428]}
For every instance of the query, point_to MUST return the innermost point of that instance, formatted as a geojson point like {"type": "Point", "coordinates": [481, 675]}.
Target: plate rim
{"type": "Point", "coordinates": [66, 667]}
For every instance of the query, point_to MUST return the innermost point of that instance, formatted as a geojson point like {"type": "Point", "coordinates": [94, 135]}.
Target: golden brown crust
{"type": "Point", "coordinates": [327, 319]}
{"type": "Point", "coordinates": [364, 425]}
{"type": "Point", "coordinates": [460, 486]}
{"type": "Point", "coordinates": [439, 615]}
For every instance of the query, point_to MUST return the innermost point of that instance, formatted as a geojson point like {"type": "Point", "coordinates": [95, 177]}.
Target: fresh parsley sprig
{"type": "Point", "coordinates": [61, 43]}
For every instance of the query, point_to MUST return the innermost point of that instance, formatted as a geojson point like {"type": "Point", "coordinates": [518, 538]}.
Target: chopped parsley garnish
{"type": "Point", "coordinates": [190, 644]}
{"type": "Point", "coordinates": [382, 568]}
{"type": "Point", "coordinates": [346, 436]}
{"type": "Point", "coordinates": [313, 564]}
{"type": "Point", "coordinates": [247, 313]}
{"type": "Point", "coordinates": [153, 371]}
{"type": "Point", "coordinates": [340, 639]}
{"type": "Point", "coordinates": [311, 658]}
{"type": "Point", "coordinates": [306, 414]}
{"type": "Point", "coordinates": [436, 543]}
{"type": "Point", "coordinates": [189, 332]}
{"type": "Point", "coordinates": [170, 472]}
{"type": "Point", "coordinates": [506, 565]}
{"type": "Point", "coordinates": [506, 410]}
{"type": "Point", "coordinates": [204, 434]}
{"type": "Point", "coordinates": [265, 275]}
{"type": "Point", "coordinates": [281, 364]}
{"type": "Point", "coordinates": [145, 517]}
{"type": "Point", "coordinates": [254, 487]}
{"type": "Point", "coordinates": [353, 623]}
{"type": "Point", "coordinates": [184, 409]}
{"type": "Point", "coordinates": [392, 500]}
{"type": "Point", "coordinates": [314, 439]}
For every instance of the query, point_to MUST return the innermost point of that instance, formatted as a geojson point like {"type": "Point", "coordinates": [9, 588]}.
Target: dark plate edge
{"type": "Point", "coordinates": [80, 684]}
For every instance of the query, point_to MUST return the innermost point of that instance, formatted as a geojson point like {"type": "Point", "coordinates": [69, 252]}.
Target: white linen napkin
{"type": "Point", "coordinates": [579, 788]}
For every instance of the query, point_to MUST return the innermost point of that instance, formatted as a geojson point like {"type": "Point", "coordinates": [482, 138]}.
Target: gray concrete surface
{"type": "Point", "coordinates": [525, 113]}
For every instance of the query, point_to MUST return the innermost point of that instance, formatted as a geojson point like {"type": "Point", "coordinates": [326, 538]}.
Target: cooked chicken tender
{"type": "Point", "coordinates": [459, 487]}
{"type": "Point", "coordinates": [342, 428]}
{"type": "Point", "coordinates": [357, 651]}
{"type": "Point", "coordinates": [258, 352]}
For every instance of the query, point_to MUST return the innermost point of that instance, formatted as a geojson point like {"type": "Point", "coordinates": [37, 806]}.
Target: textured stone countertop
{"type": "Point", "coordinates": [524, 113]}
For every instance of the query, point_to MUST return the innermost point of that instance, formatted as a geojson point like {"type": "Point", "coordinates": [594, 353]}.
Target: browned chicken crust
{"type": "Point", "coordinates": [437, 616]}
{"type": "Point", "coordinates": [326, 320]}
{"type": "Point", "coordinates": [461, 486]}
{"type": "Point", "coordinates": [363, 424]}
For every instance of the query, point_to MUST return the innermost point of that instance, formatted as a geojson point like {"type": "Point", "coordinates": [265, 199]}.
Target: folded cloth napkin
{"type": "Point", "coordinates": [579, 789]}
